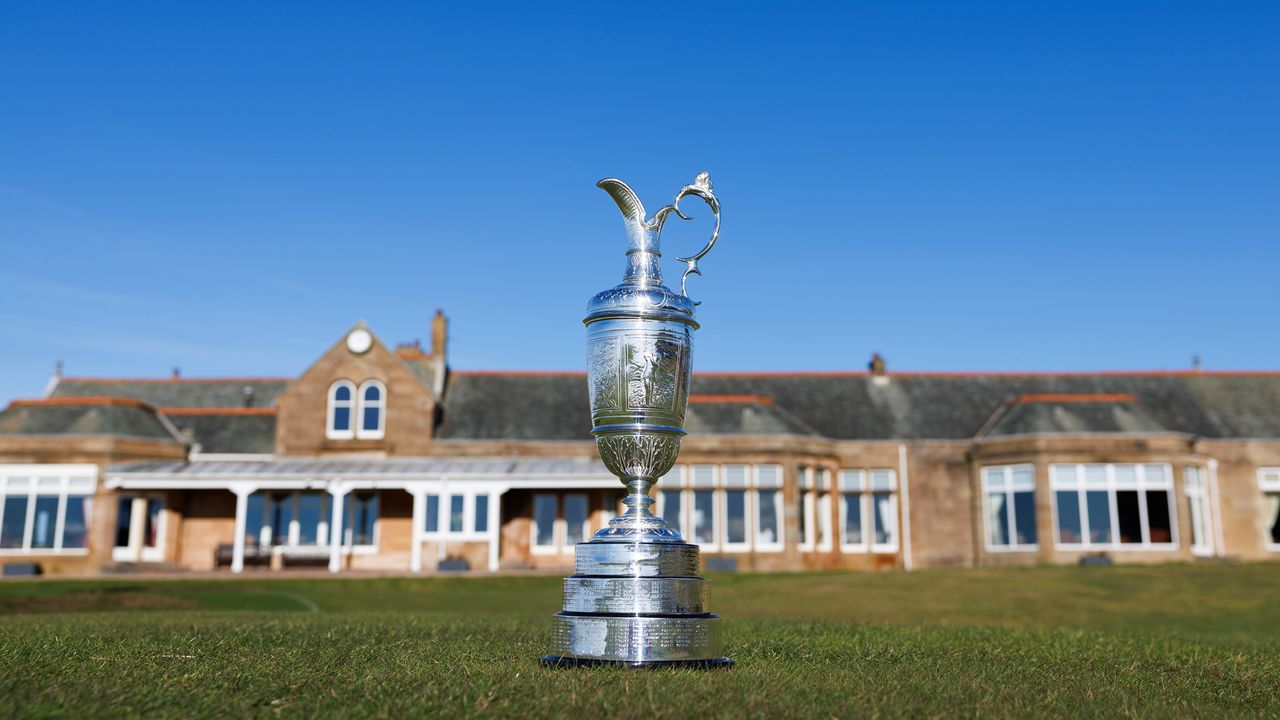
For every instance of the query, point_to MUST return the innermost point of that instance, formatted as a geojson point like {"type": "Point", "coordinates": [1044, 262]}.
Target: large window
{"type": "Point", "coordinates": [868, 510]}
{"type": "Point", "coordinates": [360, 519]}
{"type": "Point", "coordinates": [339, 424]}
{"type": "Point", "coordinates": [45, 509]}
{"type": "Point", "coordinates": [289, 518]}
{"type": "Point", "coordinates": [1269, 483]}
{"type": "Point", "coordinates": [373, 403]}
{"type": "Point", "coordinates": [1113, 506]}
{"type": "Point", "coordinates": [559, 522]}
{"type": "Point", "coordinates": [1198, 507]}
{"type": "Point", "coordinates": [725, 508]}
{"type": "Point", "coordinates": [457, 516]}
{"type": "Point", "coordinates": [1009, 497]}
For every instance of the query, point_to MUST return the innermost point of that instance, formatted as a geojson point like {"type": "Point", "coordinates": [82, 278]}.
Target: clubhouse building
{"type": "Point", "coordinates": [384, 459]}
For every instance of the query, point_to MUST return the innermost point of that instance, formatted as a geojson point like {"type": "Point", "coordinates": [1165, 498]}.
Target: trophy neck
{"type": "Point", "coordinates": [644, 257]}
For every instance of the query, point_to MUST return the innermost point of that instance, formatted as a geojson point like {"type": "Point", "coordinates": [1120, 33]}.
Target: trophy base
{"type": "Point", "coordinates": [560, 661]}
{"type": "Point", "coordinates": [637, 605]}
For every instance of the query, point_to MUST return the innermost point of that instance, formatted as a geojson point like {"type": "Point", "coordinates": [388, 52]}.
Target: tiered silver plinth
{"type": "Point", "coordinates": [636, 605]}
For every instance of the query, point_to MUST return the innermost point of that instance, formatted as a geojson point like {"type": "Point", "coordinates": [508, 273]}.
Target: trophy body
{"type": "Point", "coordinates": [635, 598]}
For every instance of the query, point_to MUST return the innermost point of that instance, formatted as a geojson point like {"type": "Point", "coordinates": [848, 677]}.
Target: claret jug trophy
{"type": "Point", "coordinates": [635, 598]}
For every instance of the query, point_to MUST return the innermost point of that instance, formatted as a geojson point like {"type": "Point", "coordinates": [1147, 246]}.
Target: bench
{"type": "Point", "coordinates": [254, 555]}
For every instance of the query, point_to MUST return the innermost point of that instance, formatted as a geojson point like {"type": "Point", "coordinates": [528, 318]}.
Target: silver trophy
{"type": "Point", "coordinates": [635, 598]}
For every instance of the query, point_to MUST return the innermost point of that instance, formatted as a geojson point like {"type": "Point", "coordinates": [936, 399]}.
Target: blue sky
{"type": "Point", "coordinates": [225, 188]}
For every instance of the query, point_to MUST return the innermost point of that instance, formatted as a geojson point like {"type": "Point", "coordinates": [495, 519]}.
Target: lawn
{"type": "Point", "coordinates": [1177, 640]}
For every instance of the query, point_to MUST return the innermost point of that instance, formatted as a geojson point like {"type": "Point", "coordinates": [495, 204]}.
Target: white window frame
{"type": "Point", "coordinates": [675, 480]}
{"type": "Point", "coordinates": [1197, 492]}
{"type": "Point", "coordinates": [1008, 490]}
{"type": "Point", "coordinates": [857, 482]}
{"type": "Point", "coordinates": [825, 537]}
{"type": "Point", "coordinates": [329, 430]}
{"type": "Point", "coordinates": [362, 404]}
{"type": "Point", "coordinates": [136, 550]}
{"type": "Point", "coordinates": [721, 504]}
{"type": "Point", "coordinates": [444, 512]}
{"type": "Point", "coordinates": [86, 485]}
{"type": "Point", "coordinates": [807, 507]}
{"type": "Point", "coordinates": [755, 500]}
{"type": "Point", "coordinates": [289, 538]}
{"type": "Point", "coordinates": [1141, 486]}
{"type": "Point", "coordinates": [711, 544]}
{"type": "Point", "coordinates": [348, 517]}
{"type": "Point", "coordinates": [1269, 484]}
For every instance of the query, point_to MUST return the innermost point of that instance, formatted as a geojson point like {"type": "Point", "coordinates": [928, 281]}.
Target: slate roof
{"type": "Point", "coordinates": [93, 416]}
{"type": "Point", "coordinates": [1073, 415]}
{"type": "Point", "coordinates": [228, 392]}
{"type": "Point", "coordinates": [582, 467]}
{"type": "Point", "coordinates": [553, 406]}
{"type": "Point", "coordinates": [229, 433]}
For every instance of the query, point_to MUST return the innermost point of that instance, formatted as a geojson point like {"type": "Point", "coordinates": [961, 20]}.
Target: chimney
{"type": "Point", "coordinates": [1195, 362]}
{"type": "Point", "coordinates": [877, 366]}
{"type": "Point", "coordinates": [248, 396]}
{"type": "Point", "coordinates": [177, 374]}
{"type": "Point", "coordinates": [439, 334]}
{"type": "Point", "coordinates": [410, 351]}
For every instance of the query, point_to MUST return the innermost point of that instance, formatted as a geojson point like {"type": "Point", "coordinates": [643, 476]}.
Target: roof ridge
{"type": "Point", "coordinates": [915, 373]}
{"type": "Point", "coordinates": [83, 400]}
{"type": "Point", "coordinates": [216, 410]}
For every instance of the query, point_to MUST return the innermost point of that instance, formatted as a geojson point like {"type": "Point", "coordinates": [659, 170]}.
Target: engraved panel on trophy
{"type": "Point", "coordinates": [652, 373]}
{"type": "Point", "coordinates": [602, 368]}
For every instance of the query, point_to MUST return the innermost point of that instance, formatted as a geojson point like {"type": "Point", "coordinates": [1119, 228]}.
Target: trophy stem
{"type": "Point", "coordinates": [638, 523]}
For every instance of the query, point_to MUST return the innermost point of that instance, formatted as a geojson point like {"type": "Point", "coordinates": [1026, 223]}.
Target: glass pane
{"type": "Point", "coordinates": [482, 514]}
{"type": "Point", "coordinates": [1126, 476]}
{"type": "Point", "coordinates": [124, 515]}
{"type": "Point", "coordinates": [371, 418]}
{"type": "Point", "coordinates": [1095, 475]}
{"type": "Point", "coordinates": [151, 531]}
{"type": "Point", "coordinates": [998, 518]}
{"type": "Point", "coordinates": [1023, 479]}
{"type": "Point", "coordinates": [1062, 476]}
{"type": "Point", "coordinates": [254, 518]}
{"type": "Point", "coordinates": [455, 513]}
{"type": "Point", "coordinates": [1098, 513]}
{"type": "Point", "coordinates": [852, 519]}
{"type": "Point", "coordinates": [14, 521]}
{"type": "Point", "coordinates": [735, 505]}
{"type": "Point", "coordinates": [1159, 526]}
{"type": "Point", "coordinates": [1273, 511]}
{"type": "Point", "coordinates": [767, 522]}
{"type": "Point", "coordinates": [851, 480]}
{"type": "Point", "coordinates": [310, 507]}
{"type": "Point", "coordinates": [575, 518]}
{"type": "Point", "coordinates": [281, 517]}
{"type": "Point", "coordinates": [806, 508]}
{"type": "Point", "coordinates": [544, 520]}
{"type": "Point", "coordinates": [45, 521]}
{"type": "Point", "coordinates": [1193, 478]}
{"type": "Point", "coordinates": [1024, 512]}
{"type": "Point", "coordinates": [341, 418]}
{"type": "Point", "coordinates": [735, 475]}
{"type": "Point", "coordinates": [342, 393]}
{"type": "Point", "coordinates": [75, 528]}
{"type": "Point", "coordinates": [1070, 530]}
{"type": "Point", "coordinates": [1196, 506]}
{"type": "Point", "coordinates": [882, 479]}
{"type": "Point", "coordinates": [994, 478]}
{"type": "Point", "coordinates": [882, 508]}
{"type": "Point", "coordinates": [769, 476]}
{"type": "Point", "coordinates": [433, 513]}
{"type": "Point", "coordinates": [1129, 516]}
{"type": "Point", "coordinates": [359, 519]}
{"type": "Point", "coordinates": [671, 510]}
{"type": "Point", "coordinates": [704, 523]}
{"type": "Point", "coordinates": [372, 394]}
{"type": "Point", "coordinates": [704, 475]}
{"type": "Point", "coordinates": [1155, 475]}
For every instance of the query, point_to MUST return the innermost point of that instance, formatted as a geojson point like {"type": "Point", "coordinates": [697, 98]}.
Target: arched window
{"type": "Point", "coordinates": [373, 405]}
{"type": "Point", "coordinates": [340, 424]}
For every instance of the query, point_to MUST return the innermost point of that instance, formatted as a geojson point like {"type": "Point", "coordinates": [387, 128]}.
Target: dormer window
{"type": "Point", "coordinates": [339, 425]}
{"type": "Point", "coordinates": [372, 414]}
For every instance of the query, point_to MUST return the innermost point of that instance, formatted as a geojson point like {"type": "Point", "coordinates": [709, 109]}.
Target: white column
{"type": "Point", "coordinates": [415, 551]}
{"type": "Point", "coordinates": [137, 527]}
{"type": "Point", "coordinates": [335, 527]}
{"type": "Point", "coordinates": [904, 478]}
{"type": "Point", "coordinates": [242, 511]}
{"type": "Point", "coordinates": [495, 515]}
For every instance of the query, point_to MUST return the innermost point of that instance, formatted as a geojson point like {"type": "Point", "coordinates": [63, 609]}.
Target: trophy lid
{"type": "Point", "coordinates": [641, 294]}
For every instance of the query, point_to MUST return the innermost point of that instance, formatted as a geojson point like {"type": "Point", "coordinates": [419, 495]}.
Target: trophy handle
{"type": "Point", "coordinates": [702, 188]}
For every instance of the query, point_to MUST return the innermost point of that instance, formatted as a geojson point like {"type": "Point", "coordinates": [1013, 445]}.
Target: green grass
{"type": "Point", "coordinates": [1179, 640]}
